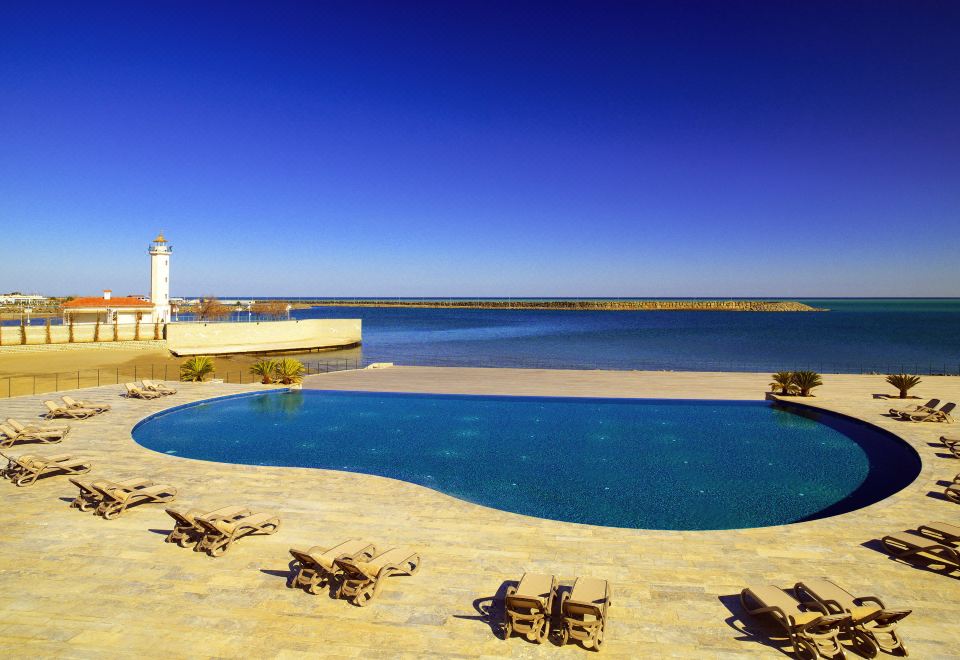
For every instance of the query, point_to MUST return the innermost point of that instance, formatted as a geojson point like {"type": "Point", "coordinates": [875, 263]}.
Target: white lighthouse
{"type": "Point", "coordinates": [160, 278]}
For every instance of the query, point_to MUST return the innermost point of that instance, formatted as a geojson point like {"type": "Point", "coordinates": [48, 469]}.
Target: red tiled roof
{"type": "Point", "coordinates": [113, 302]}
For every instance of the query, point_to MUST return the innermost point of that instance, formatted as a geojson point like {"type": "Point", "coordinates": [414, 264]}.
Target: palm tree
{"type": "Point", "coordinates": [784, 381]}
{"type": "Point", "coordinates": [266, 369]}
{"type": "Point", "coordinates": [806, 381]}
{"type": "Point", "coordinates": [196, 369]}
{"type": "Point", "coordinates": [290, 371]}
{"type": "Point", "coordinates": [903, 382]}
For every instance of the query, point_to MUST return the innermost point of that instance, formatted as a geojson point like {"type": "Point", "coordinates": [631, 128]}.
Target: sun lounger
{"type": "Point", "coordinates": [219, 535]}
{"type": "Point", "coordinates": [187, 530]}
{"type": "Point", "coordinates": [53, 410]}
{"type": "Point", "coordinates": [873, 626]}
{"type": "Point", "coordinates": [155, 386]}
{"type": "Point", "coordinates": [929, 406]}
{"type": "Point", "coordinates": [946, 440]}
{"type": "Point", "coordinates": [952, 492]}
{"type": "Point", "coordinates": [25, 470]}
{"type": "Point", "coordinates": [134, 392]}
{"type": "Point", "coordinates": [909, 547]}
{"type": "Point", "coordinates": [90, 494]}
{"type": "Point", "coordinates": [584, 611]}
{"type": "Point", "coordinates": [313, 568]}
{"type": "Point", "coordinates": [48, 431]}
{"type": "Point", "coordinates": [362, 580]}
{"type": "Point", "coordinates": [11, 436]}
{"type": "Point", "coordinates": [89, 405]}
{"type": "Point", "coordinates": [117, 498]}
{"type": "Point", "coordinates": [529, 606]}
{"type": "Point", "coordinates": [941, 531]}
{"type": "Point", "coordinates": [813, 631]}
{"type": "Point", "coordinates": [941, 415]}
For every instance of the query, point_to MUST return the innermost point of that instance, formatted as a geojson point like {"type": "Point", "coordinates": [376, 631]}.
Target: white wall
{"type": "Point", "coordinates": [261, 336]}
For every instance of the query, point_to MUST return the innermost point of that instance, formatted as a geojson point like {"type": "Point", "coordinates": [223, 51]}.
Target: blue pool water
{"type": "Point", "coordinates": [645, 463]}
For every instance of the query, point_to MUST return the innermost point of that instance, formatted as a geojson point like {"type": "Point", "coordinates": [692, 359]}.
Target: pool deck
{"type": "Point", "coordinates": [75, 585]}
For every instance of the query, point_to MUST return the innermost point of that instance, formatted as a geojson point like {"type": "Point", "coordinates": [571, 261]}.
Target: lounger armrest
{"type": "Point", "coordinates": [820, 607]}
{"type": "Point", "coordinates": [872, 599]}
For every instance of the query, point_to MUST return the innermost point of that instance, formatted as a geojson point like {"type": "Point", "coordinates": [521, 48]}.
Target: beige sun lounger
{"type": "Point", "coordinates": [116, 498]}
{"type": "Point", "coordinates": [812, 630]}
{"type": "Point", "coordinates": [45, 430]}
{"type": "Point", "coordinates": [89, 405]}
{"type": "Point", "coordinates": [908, 547]}
{"type": "Point", "coordinates": [219, 535]}
{"type": "Point", "coordinates": [584, 611]}
{"type": "Point", "coordinates": [941, 531]}
{"type": "Point", "coordinates": [941, 415]}
{"type": "Point", "coordinates": [90, 495]}
{"type": "Point", "coordinates": [362, 580]}
{"type": "Point", "coordinates": [929, 406]}
{"type": "Point", "coordinates": [134, 392]}
{"type": "Point", "coordinates": [529, 606]}
{"type": "Point", "coordinates": [156, 386]}
{"type": "Point", "coordinates": [313, 568]}
{"type": "Point", "coordinates": [187, 530]}
{"type": "Point", "coordinates": [11, 436]}
{"type": "Point", "coordinates": [25, 470]}
{"type": "Point", "coordinates": [873, 625]}
{"type": "Point", "coordinates": [53, 410]}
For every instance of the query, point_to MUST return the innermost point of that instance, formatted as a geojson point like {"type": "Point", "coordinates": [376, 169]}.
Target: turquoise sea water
{"type": "Point", "coordinates": [872, 335]}
{"type": "Point", "coordinates": [651, 464]}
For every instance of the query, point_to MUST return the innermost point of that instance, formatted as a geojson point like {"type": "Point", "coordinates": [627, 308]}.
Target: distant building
{"type": "Point", "coordinates": [21, 299]}
{"type": "Point", "coordinates": [127, 309]}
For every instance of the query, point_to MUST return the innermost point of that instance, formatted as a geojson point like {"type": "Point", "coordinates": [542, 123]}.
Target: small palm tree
{"type": "Point", "coordinates": [784, 381]}
{"type": "Point", "coordinates": [806, 381]}
{"type": "Point", "coordinates": [903, 382]}
{"type": "Point", "coordinates": [196, 369]}
{"type": "Point", "coordinates": [266, 369]}
{"type": "Point", "coordinates": [290, 371]}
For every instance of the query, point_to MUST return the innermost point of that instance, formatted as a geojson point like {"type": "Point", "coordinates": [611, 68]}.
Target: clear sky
{"type": "Point", "coordinates": [479, 148]}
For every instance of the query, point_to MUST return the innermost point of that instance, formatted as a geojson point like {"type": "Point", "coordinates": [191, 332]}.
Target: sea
{"type": "Point", "coordinates": [856, 335]}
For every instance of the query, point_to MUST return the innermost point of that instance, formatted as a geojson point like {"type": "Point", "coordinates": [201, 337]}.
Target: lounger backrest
{"type": "Point", "coordinates": [69, 401]}
{"type": "Point", "coordinates": [390, 557]}
{"type": "Point", "coordinates": [15, 425]}
{"type": "Point", "coordinates": [7, 431]}
{"type": "Point", "coordinates": [185, 519]}
{"type": "Point", "coordinates": [514, 603]}
{"type": "Point", "coordinates": [932, 403]}
{"type": "Point", "coordinates": [829, 593]}
{"type": "Point", "coordinates": [51, 406]}
{"type": "Point", "coordinates": [948, 407]}
{"type": "Point", "coordinates": [577, 608]}
{"type": "Point", "coordinates": [303, 557]}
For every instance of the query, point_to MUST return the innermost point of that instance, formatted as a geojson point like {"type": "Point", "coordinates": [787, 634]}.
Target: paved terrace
{"type": "Point", "coordinates": [74, 585]}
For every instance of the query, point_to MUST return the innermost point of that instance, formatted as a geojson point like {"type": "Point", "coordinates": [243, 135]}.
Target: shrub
{"type": "Point", "coordinates": [903, 382]}
{"type": "Point", "coordinates": [783, 380]}
{"type": "Point", "coordinates": [196, 369]}
{"type": "Point", "coordinates": [265, 369]}
{"type": "Point", "coordinates": [806, 381]}
{"type": "Point", "coordinates": [290, 371]}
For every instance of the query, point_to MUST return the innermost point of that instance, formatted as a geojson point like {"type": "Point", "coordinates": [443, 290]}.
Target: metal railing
{"type": "Point", "coordinates": [11, 386]}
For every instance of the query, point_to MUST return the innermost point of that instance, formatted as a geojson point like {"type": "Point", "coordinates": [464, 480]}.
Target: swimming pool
{"type": "Point", "coordinates": [640, 463]}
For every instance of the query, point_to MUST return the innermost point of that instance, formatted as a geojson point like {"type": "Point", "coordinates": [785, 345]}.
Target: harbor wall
{"type": "Point", "coordinates": [261, 336]}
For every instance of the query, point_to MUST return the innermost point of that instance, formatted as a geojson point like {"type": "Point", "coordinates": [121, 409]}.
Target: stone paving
{"type": "Point", "coordinates": [75, 585]}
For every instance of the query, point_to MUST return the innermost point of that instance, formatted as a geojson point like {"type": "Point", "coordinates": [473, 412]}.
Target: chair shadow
{"type": "Point", "coordinates": [937, 495]}
{"type": "Point", "coordinates": [490, 610]}
{"type": "Point", "coordinates": [941, 454]}
{"type": "Point", "coordinates": [756, 630]}
{"type": "Point", "coordinates": [162, 532]}
{"type": "Point", "coordinates": [287, 575]}
{"type": "Point", "coordinates": [68, 500]}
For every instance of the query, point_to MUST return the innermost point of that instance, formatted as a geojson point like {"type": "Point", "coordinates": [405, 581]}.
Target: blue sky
{"type": "Point", "coordinates": [478, 148]}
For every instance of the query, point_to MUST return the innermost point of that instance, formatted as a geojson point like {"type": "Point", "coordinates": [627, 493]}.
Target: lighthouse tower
{"type": "Point", "coordinates": [160, 278]}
